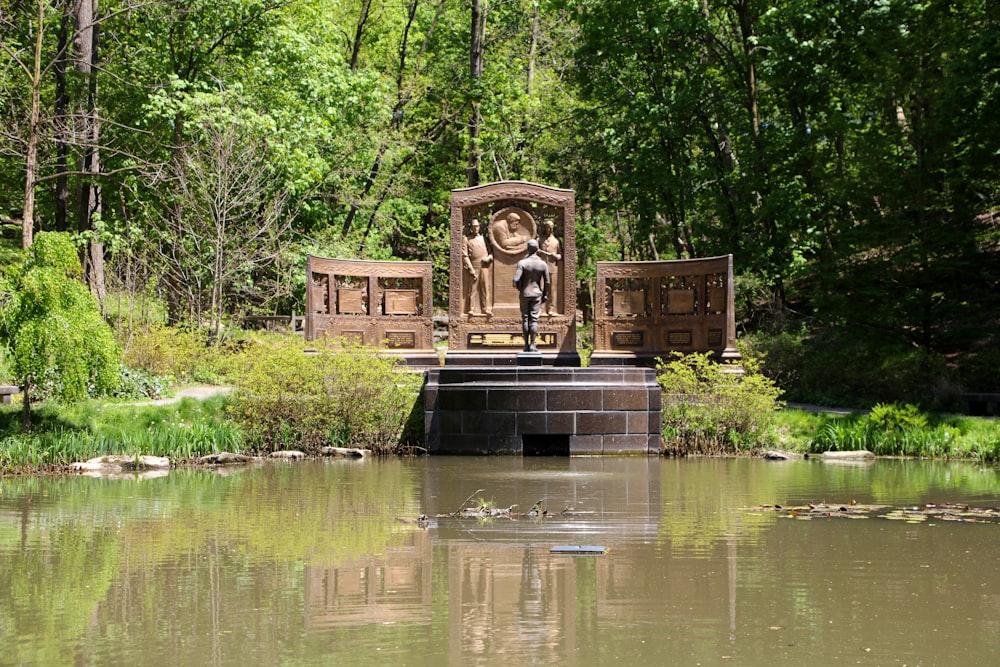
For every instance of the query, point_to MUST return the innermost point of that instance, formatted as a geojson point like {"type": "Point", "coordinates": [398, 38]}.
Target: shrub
{"type": "Point", "coordinates": [165, 350]}
{"type": "Point", "coordinates": [139, 383]}
{"type": "Point", "coordinates": [711, 408]}
{"type": "Point", "coordinates": [345, 394]}
{"type": "Point", "coordinates": [841, 367]}
{"type": "Point", "coordinates": [183, 354]}
{"type": "Point", "coordinates": [53, 326]}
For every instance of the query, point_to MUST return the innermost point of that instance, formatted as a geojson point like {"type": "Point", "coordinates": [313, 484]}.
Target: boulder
{"type": "Point", "coordinates": [778, 455]}
{"type": "Point", "coordinates": [115, 463]}
{"type": "Point", "coordinates": [853, 455]}
{"type": "Point", "coordinates": [225, 458]}
{"type": "Point", "coordinates": [344, 452]}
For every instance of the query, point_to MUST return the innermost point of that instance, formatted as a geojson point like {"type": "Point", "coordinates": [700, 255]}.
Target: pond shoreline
{"type": "Point", "coordinates": [194, 422]}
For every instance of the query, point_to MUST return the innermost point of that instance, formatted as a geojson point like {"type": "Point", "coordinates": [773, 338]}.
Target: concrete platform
{"type": "Point", "coordinates": [542, 411]}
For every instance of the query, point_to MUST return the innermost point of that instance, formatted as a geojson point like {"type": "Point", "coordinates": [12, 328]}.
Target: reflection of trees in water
{"type": "Point", "coordinates": [537, 617]}
{"type": "Point", "coordinates": [700, 511]}
{"type": "Point", "coordinates": [189, 561]}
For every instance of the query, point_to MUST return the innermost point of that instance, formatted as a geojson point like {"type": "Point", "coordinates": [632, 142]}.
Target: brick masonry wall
{"type": "Point", "coordinates": [488, 410]}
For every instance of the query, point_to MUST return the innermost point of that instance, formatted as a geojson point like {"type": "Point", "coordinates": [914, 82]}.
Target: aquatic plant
{"type": "Point", "coordinates": [65, 434]}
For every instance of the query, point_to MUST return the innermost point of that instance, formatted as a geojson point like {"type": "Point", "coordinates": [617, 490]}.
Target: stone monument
{"type": "Point", "coordinates": [372, 303]}
{"type": "Point", "coordinates": [646, 310]}
{"type": "Point", "coordinates": [490, 229]}
{"type": "Point", "coordinates": [511, 383]}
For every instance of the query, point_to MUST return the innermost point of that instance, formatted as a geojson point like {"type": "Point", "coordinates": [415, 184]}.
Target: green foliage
{"type": "Point", "coordinates": [138, 383]}
{"type": "Point", "coordinates": [344, 395]}
{"type": "Point", "coordinates": [52, 324]}
{"type": "Point", "coordinates": [902, 430]}
{"type": "Point", "coordinates": [853, 368]}
{"type": "Point", "coordinates": [845, 153]}
{"type": "Point", "coordinates": [708, 408]}
{"type": "Point", "coordinates": [181, 355]}
{"type": "Point", "coordinates": [65, 434]}
{"type": "Point", "coordinates": [895, 418]}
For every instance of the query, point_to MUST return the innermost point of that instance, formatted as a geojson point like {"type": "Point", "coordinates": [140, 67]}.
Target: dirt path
{"type": "Point", "coordinates": [200, 392]}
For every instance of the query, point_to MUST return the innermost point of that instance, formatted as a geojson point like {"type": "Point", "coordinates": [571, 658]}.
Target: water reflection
{"type": "Point", "coordinates": [307, 563]}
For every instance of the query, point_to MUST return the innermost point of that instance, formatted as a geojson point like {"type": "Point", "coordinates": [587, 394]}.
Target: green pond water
{"type": "Point", "coordinates": [308, 563]}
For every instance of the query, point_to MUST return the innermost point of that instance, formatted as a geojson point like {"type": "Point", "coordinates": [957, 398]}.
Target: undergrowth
{"type": "Point", "coordinates": [711, 408]}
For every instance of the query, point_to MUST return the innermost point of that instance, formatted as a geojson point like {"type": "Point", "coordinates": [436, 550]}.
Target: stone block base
{"type": "Point", "coordinates": [542, 410]}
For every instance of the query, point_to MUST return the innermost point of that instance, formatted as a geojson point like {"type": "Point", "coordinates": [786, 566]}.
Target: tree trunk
{"type": "Point", "coordinates": [532, 50]}
{"type": "Point", "coordinates": [356, 48]}
{"type": "Point", "coordinates": [26, 405]}
{"type": "Point", "coordinates": [61, 122]}
{"type": "Point", "coordinates": [476, 45]}
{"type": "Point", "coordinates": [90, 190]}
{"type": "Point", "coordinates": [31, 151]}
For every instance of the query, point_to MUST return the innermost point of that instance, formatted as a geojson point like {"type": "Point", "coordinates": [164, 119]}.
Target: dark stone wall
{"type": "Point", "coordinates": [488, 410]}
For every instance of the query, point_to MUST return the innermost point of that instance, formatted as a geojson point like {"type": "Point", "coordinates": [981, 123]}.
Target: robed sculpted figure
{"type": "Point", "coordinates": [509, 233]}
{"type": "Point", "coordinates": [531, 278]}
{"type": "Point", "coordinates": [477, 260]}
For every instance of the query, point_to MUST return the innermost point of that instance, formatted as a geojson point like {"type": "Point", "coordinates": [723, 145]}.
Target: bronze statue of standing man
{"type": "Point", "coordinates": [476, 259]}
{"type": "Point", "coordinates": [531, 278]}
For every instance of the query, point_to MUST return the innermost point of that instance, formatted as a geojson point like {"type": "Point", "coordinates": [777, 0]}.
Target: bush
{"type": "Point", "coordinates": [710, 408]}
{"type": "Point", "coordinates": [902, 430]}
{"type": "Point", "coordinates": [166, 351]}
{"type": "Point", "coordinates": [52, 325]}
{"type": "Point", "coordinates": [345, 395]}
{"type": "Point", "coordinates": [183, 355]}
{"type": "Point", "coordinates": [138, 383]}
{"type": "Point", "coordinates": [835, 367]}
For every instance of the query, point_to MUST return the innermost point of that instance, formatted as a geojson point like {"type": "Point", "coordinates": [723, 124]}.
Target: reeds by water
{"type": "Point", "coordinates": [66, 434]}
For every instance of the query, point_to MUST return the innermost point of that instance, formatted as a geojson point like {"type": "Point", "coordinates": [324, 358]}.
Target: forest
{"type": "Point", "coordinates": [844, 151]}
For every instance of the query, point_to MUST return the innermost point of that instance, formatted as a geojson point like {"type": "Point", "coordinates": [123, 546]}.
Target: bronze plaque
{"type": "Point", "coordinates": [680, 301]}
{"type": "Point", "coordinates": [678, 338]}
{"type": "Point", "coordinates": [628, 338]}
{"type": "Point", "coordinates": [491, 339]}
{"type": "Point", "coordinates": [352, 336]}
{"type": "Point", "coordinates": [351, 301]}
{"type": "Point", "coordinates": [716, 299]}
{"type": "Point", "coordinates": [628, 302]}
{"type": "Point", "coordinates": [401, 339]}
{"type": "Point", "coordinates": [715, 337]}
{"type": "Point", "coordinates": [319, 293]}
{"type": "Point", "coordinates": [401, 302]}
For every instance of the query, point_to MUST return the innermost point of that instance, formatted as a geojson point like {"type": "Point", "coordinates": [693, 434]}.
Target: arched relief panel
{"type": "Point", "coordinates": [509, 213]}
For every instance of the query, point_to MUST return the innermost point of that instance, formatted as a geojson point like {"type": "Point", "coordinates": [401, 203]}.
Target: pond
{"type": "Point", "coordinates": [326, 563]}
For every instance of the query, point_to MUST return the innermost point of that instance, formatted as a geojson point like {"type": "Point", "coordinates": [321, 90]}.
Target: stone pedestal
{"type": "Point", "coordinates": [542, 410]}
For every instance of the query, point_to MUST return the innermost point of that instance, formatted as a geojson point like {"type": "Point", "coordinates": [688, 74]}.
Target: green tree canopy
{"type": "Point", "coordinates": [52, 325]}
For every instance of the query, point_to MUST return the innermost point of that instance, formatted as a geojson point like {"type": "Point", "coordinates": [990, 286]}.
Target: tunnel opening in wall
{"type": "Point", "coordinates": [545, 444]}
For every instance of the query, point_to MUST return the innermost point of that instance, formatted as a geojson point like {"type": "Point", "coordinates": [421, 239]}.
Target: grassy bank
{"type": "Point", "coordinates": [287, 398]}
{"type": "Point", "coordinates": [64, 434]}
{"type": "Point", "coordinates": [890, 430]}
{"type": "Point", "coordinates": [190, 428]}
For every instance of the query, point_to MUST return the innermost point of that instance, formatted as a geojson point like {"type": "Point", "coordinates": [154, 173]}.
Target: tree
{"type": "Point", "coordinates": [225, 220]}
{"type": "Point", "coordinates": [27, 59]}
{"type": "Point", "coordinates": [53, 327]}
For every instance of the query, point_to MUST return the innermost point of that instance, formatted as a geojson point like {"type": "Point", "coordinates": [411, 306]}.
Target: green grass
{"type": "Point", "coordinates": [62, 435]}
{"type": "Point", "coordinates": [931, 436]}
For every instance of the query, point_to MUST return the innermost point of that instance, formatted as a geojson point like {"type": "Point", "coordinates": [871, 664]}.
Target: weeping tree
{"type": "Point", "coordinates": [52, 326]}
